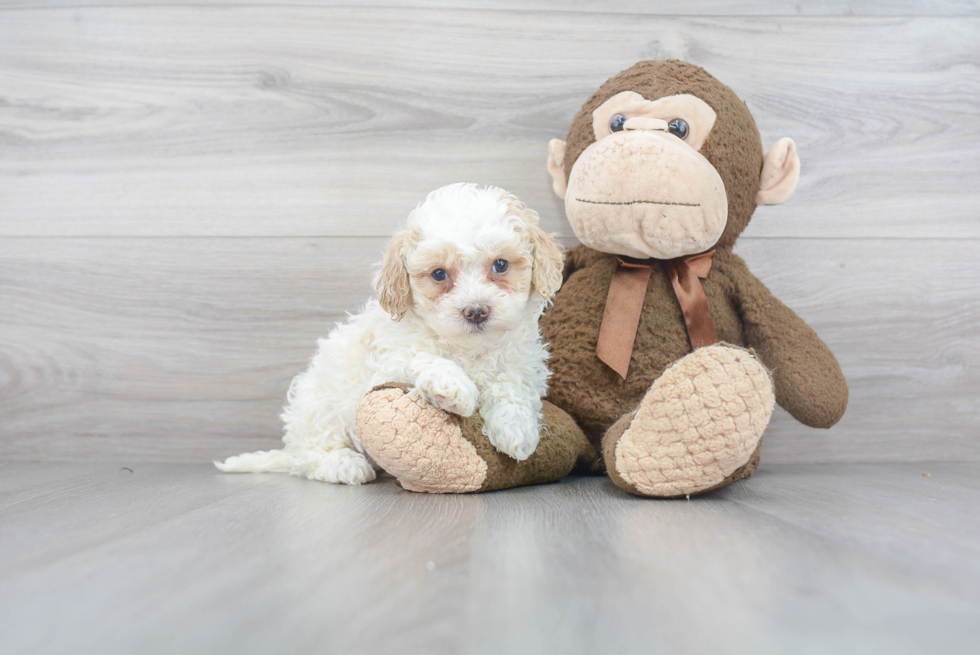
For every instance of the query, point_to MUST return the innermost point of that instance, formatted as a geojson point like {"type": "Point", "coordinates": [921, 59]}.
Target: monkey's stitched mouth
{"type": "Point", "coordinates": [641, 202]}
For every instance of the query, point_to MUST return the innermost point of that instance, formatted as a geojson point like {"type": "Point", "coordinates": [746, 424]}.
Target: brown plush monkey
{"type": "Point", "coordinates": [666, 351]}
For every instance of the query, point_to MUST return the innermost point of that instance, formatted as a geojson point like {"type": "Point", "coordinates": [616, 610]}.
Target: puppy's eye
{"type": "Point", "coordinates": [679, 128]}
{"type": "Point", "coordinates": [439, 275]}
{"type": "Point", "coordinates": [500, 266]}
{"type": "Point", "coordinates": [616, 123]}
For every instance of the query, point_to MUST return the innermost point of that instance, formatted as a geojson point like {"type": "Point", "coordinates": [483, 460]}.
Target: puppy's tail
{"type": "Point", "coordinates": [262, 461]}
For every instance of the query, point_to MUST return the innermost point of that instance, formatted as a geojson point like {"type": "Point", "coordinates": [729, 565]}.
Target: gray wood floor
{"type": "Point", "coordinates": [178, 558]}
{"type": "Point", "coordinates": [191, 193]}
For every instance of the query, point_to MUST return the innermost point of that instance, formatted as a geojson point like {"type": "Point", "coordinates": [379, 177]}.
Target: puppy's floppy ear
{"type": "Point", "coordinates": [548, 264]}
{"type": "Point", "coordinates": [547, 255]}
{"type": "Point", "coordinates": [392, 284]}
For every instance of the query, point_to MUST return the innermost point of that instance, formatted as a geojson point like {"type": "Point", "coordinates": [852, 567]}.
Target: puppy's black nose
{"type": "Point", "coordinates": [477, 313]}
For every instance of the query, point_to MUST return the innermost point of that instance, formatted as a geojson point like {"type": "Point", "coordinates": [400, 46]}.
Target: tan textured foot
{"type": "Point", "coordinates": [417, 443]}
{"type": "Point", "coordinates": [700, 421]}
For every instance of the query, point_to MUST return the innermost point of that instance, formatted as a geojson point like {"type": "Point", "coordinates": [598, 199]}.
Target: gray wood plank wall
{"type": "Point", "coordinates": [190, 195]}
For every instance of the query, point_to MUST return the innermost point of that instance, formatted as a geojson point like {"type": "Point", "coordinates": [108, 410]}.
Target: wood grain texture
{"type": "Point", "coordinates": [190, 195]}
{"type": "Point", "coordinates": [182, 349]}
{"type": "Point", "coordinates": [181, 558]}
{"type": "Point", "coordinates": [648, 7]}
{"type": "Point", "coordinates": [188, 338]}
{"type": "Point", "coordinates": [334, 121]}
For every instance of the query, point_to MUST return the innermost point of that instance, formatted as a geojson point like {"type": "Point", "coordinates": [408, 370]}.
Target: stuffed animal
{"type": "Point", "coordinates": [667, 354]}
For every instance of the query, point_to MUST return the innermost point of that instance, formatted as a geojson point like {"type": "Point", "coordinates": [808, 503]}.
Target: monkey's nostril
{"type": "Point", "coordinates": [476, 313]}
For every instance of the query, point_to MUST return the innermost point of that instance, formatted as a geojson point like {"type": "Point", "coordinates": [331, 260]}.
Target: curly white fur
{"type": "Point", "coordinates": [416, 332]}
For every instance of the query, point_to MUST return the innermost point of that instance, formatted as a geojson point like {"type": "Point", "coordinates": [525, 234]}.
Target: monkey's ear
{"type": "Point", "coordinates": [548, 265]}
{"type": "Point", "coordinates": [392, 283]}
{"type": "Point", "coordinates": [780, 173]}
{"type": "Point", "coordinates": [556, 166]}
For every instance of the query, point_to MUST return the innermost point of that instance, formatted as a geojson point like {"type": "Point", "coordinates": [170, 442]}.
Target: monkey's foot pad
{"type": "Point", "coordinates": [419, 444]}
{"type": "Point", "coordinates": [699, 422]}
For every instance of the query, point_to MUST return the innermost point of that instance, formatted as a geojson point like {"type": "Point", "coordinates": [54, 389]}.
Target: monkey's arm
{"type": "Point", "coordinates": [572, 263]}
{"type": "Point", "coordinates": [809, 382]}
{"type": "Point", "coordinates": [578, 257]}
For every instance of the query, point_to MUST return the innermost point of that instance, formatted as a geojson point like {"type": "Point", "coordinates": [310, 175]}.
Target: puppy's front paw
{"type": "Point", "coordinates": [512, 429]}
{"type": "Point", "coordinates": [449, 390]}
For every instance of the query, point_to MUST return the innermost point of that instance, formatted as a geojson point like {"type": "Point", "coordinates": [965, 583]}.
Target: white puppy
{"type": "Point", "coordinates": [460, 292]}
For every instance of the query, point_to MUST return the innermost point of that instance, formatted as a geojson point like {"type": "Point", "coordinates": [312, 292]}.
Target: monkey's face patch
{"type": "Point", "coordinates": [643, 189]}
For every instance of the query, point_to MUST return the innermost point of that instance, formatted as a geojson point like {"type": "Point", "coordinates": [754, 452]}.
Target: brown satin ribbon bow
{"type": "Point", "coordinates": [625, 303]}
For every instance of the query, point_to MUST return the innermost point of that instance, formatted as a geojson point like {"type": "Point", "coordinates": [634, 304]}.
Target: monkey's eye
{"type": "Point", "coordinates": [679, 128]}
{"type": "Point", "coordinates": [439, 275]}
{"type": "Point", "coordinates": [616, 123]}
{"type": "Point", "coordinates": [500, 266]}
